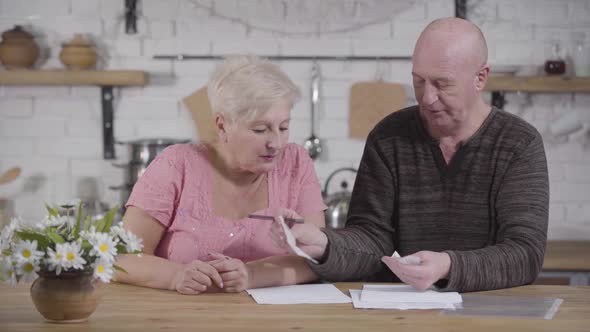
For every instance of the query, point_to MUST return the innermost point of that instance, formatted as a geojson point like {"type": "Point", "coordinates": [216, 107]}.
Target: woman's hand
{"type": "Point", "coordinates": [234, 273]}
{"type": "Point", "coordinates": [308, 237]}
{"type": "Point", "coordinates": [196, 277]}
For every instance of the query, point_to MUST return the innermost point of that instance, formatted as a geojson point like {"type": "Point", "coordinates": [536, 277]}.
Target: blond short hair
{"type": "Point", "coordinates": [246, 86]}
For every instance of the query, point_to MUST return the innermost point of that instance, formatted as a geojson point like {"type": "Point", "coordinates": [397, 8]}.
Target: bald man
{"type": "Point", "coordinates": [456, 184]}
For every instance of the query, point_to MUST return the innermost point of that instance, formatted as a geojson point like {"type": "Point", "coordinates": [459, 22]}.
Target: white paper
{"type": "Point", "coordinates": [406, 294]}
{"type": "Point", "coordinates": [407, 260]}
{"type": "Point", "coordinates": [357, 303]}
{"type": "Point", "coordinates": [298, 294]}
{"type": "Point", "coordinates": [292, 242]}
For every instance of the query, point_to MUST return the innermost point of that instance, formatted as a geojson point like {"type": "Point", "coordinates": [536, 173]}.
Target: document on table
{"type": "Point", "coordinates": [402, 297]}
{"type": "Point", "coordinates": [298, 294]}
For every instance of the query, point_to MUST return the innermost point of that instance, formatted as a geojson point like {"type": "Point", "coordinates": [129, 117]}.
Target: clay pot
{"type": "Point", "coordinates": [67, 298]}
{"type": "Point", "coordinates": [78, 53]}
{"type": "Point", "coordinates": [18, 49]}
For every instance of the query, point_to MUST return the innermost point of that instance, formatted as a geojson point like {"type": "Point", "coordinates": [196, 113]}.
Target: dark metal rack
{"type": "Point", "coordinates": [182, 57]}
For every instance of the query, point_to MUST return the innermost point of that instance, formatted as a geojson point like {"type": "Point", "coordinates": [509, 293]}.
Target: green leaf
{"type": "Point", "coordinates": [86, 245]}
{"type": "Point", "coordinates": [76, 231]}
{"type": "Point", "coordinates": [87, 223]}
{"type": "Point", "coordinates": [109, 217]}
{"type": "Point", "coordinates": [118, 268]}
{"type": "Point", "coordinates": [121, 249]}
{"type": "Point", "coordinates": [56, 238]}
{"type": "Point", "coordinates": [41, 239]}
{"type": "Point", "coordinates": [54, 212]}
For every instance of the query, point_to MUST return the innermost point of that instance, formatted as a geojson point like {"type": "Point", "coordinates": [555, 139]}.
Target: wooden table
{"type": "Point", "coordinates": [129, 308]}
{"type": "Point", "coordinates": [572, 256]}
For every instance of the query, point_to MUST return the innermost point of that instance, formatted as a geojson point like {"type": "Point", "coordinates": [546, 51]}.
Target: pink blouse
{"type": "Point", "coordinates": [176, 190]}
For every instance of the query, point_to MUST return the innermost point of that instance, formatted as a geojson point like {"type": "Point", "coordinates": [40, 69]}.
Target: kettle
{"type": "Point", "coordinates": [337, 202]}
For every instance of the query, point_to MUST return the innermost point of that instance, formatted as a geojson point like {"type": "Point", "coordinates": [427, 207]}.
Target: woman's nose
{"type": "Point", "coordinates": [274, 140]}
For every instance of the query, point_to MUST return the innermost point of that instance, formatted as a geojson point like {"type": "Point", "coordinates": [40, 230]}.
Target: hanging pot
{"type": "Point", "coordinates": [143, 151]}
{"type": "Point", "coordinates": [140, 155]}
{"type": "Point", "coordinates": [338, 203]}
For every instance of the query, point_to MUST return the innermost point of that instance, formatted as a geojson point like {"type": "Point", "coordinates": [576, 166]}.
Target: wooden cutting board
{"type": "Point", "coordinates": [198, 104]}
{"type": "Point", "coordinates": [370, 102]}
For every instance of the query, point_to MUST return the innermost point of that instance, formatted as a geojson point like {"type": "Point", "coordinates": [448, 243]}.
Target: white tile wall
{"type": "Point", "coordinates": [53, 132]}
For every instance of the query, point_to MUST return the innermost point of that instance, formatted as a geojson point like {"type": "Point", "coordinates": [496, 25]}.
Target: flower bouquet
{"type": "Point", "coordinates": [66, 255]}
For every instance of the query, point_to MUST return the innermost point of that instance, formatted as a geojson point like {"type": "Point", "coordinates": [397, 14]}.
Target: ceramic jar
{"type": "Point", "coordinates": [67, 298]}
{"type": "Point", "coordinates": [18, 49]}
{"type": "Point", "coordinates": [78, 53]}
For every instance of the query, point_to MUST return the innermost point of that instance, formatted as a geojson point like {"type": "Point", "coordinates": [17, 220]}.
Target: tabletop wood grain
{"type": "Point", "coordinates": [130, 308]}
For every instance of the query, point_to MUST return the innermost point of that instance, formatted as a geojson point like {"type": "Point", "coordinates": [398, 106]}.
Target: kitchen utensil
{"type": "Point", "coordinates": [141, 154]}
{"type": "Point", "coordinates": [313, 144]}
{"type": "Point", "coordinates": [18, 49]}
{"type": "Point", "coordinates": [200, 107]}
{"type": "Point", "coordinates": [10, 175]}
{"type": "Point", "coordinates": [370, 102]}
{"type": "Point", "coordinates": [145, 150]}
{"type": "Point", "coordinates": [261, 217]}
{"type": "Point", "coordinates": [338, 202]}
{"type": "Point", "coordinates": [78, 53]}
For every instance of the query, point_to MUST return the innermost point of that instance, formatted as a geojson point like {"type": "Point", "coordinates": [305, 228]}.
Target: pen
{"type": "Point", "coordinates": [261, 217]}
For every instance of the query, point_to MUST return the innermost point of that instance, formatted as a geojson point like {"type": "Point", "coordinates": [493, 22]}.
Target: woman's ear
{"type": "Point", "coordinates": [481, 78]}
{"type": "Point", "coordinates": [221, 128]}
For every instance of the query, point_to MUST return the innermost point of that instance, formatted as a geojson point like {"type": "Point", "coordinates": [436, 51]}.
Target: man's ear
{"type": "Point", "coordinates": [481, 78]}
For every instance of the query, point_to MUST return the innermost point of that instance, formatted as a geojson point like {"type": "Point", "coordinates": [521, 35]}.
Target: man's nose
{"type": "Point", "coordinates": [430, 95]}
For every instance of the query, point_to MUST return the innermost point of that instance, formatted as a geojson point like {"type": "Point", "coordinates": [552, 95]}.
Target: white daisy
{"type": "Point", "coordinates": [27, 271]}
{"type": "Point", "coordinates": [72, 253]}
{"type": "Point", "coordinates": [52, 221]}
{"type": "Point", "coordinates": [118, 231]}
{"type": "Point", "coordinates": [7, 272]}
{"type": "Point", "coordinates": [103, 270]}
{"type": "Point", "coordinates": [56, 258]}
{"type": "Point", "coordinates": [26, 252]}
{"type": "Point", "coordinates": [133, 243]}
{"type": "Point", "coordinates": [103, 246]}
{"type": "Point", "coordinates": [8, 230]}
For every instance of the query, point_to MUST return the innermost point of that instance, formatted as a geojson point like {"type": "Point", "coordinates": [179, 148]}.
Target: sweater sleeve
{"type": "Point", "coordinates": [522, 215]}
{"type": "Point", "coordinates": [355, 252]}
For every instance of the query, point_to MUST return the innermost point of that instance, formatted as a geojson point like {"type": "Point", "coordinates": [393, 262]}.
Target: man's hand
{"type": "Point", "coordinates": [308, 236]}
{"type": "Point", "coordinates": [233, 272]}
{"type": "Point", "coordinates": [431, 267]}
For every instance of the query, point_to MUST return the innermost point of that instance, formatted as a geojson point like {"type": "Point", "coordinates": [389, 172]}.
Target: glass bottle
{"type": "Point", "coordinates": [581, 54]}
{"type": "Point", "coordinates": [555, 63]}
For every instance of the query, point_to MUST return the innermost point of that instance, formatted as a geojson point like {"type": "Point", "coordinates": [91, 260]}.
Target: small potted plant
{"type": "Point", "coordinates": [68, 256]}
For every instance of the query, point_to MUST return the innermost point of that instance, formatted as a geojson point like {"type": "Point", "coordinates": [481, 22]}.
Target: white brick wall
{"type": "Point", "coordinates": [54, 132]}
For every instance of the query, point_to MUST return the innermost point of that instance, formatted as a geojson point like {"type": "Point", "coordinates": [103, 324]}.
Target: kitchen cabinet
{"type": "Point", "coordinates": [106, 79]}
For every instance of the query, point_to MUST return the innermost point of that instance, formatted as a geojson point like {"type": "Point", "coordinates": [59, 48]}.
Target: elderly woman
{"type": "Point", "coordinates": [191, 206]}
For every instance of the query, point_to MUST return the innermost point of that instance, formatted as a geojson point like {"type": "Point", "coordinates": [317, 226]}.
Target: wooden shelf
{"type": "Point", "coordinates": [105, 79]}
{"type": "Point", "coordinates": [73, 77]}
{"type": "Point", "coordinates": [538, 84]}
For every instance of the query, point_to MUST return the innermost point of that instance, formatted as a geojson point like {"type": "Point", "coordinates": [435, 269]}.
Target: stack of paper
{"type": "Point", "coordinates": [402, 297]}
{"type": "Point", "coordinates": [297, 294]}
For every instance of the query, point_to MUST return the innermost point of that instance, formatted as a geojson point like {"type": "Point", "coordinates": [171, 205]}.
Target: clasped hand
{"type": "Point", "coordinates": [222, 273]}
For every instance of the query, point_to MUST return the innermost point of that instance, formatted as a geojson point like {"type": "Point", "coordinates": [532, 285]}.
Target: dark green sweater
{"type": "Point", "coordinates": [487, 209]}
